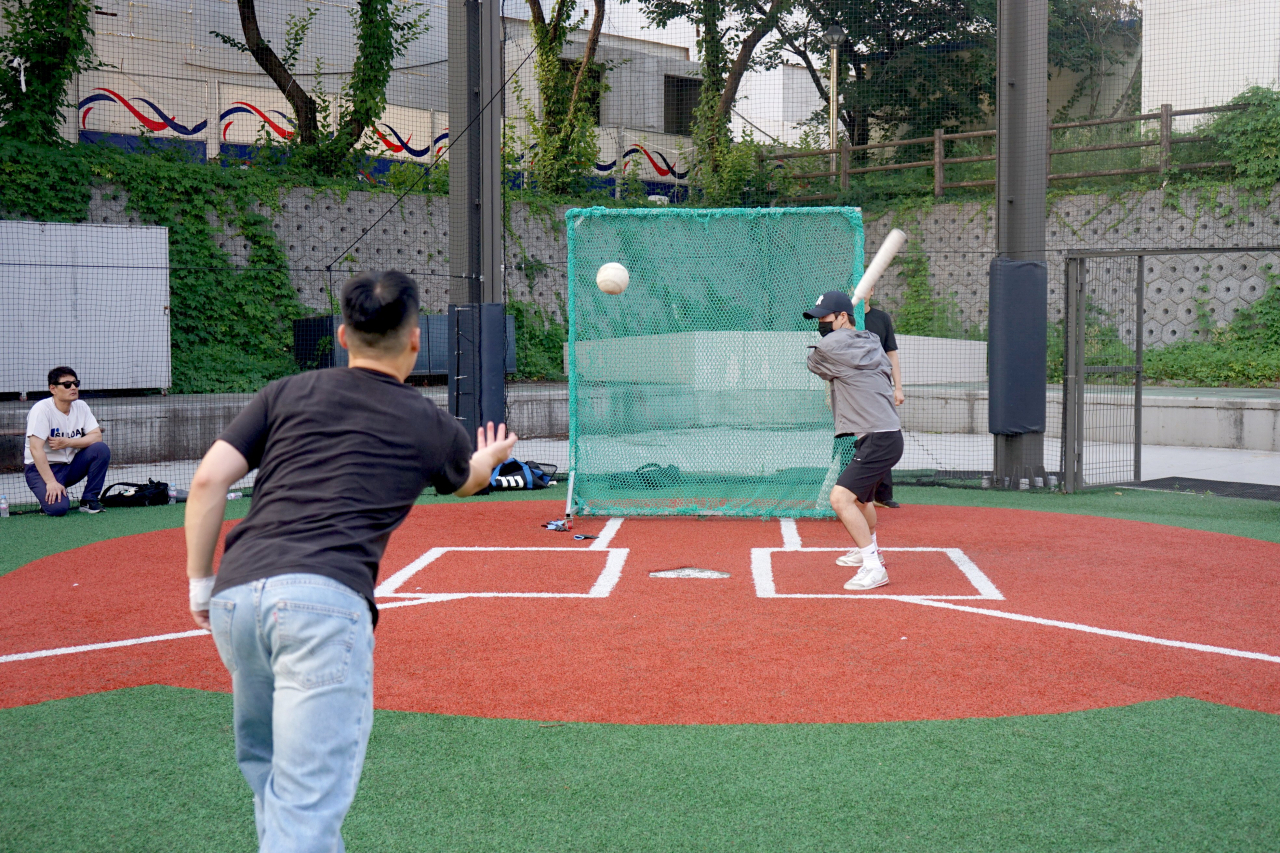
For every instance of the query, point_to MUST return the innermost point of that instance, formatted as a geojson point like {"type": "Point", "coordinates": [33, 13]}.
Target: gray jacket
{"type": "Point", "coordinates": [861, 379]}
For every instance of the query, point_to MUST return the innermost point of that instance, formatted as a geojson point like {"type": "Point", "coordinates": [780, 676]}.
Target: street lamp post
{"type": "Point", "coordinates": [834, 37]}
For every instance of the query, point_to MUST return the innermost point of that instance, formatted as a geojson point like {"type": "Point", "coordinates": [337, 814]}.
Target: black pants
{"type": "Point", "coordinates": [884, 491]}
{"type": "Point", "coordinates": [875, 453]}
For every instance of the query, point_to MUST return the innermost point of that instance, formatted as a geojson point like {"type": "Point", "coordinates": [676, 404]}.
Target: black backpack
{"type": "Point", "coordinates": [135, 494]}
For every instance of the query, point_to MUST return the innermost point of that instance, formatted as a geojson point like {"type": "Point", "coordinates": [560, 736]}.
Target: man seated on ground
{"type": "Point", "coordinates": [64, 446]}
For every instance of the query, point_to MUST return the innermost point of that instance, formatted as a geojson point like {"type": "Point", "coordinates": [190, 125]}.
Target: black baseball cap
{"type": "Point", "coordinates": [831, 302]}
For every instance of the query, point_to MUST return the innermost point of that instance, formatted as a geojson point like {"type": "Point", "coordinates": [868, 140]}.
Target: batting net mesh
{"type": "Point", "coordinates": [688, 393]}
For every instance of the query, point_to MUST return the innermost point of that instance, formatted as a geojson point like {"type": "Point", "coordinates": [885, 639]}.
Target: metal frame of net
{"type": "Point", "coordinates": [688, 393]}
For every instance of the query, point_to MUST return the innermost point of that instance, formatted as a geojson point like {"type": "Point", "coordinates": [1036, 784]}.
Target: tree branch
{"type": "Point", "coordinates": [743, 61]}
{"type": "Point", "coordinates": [588, 54]}
{"type": "Point", "coordinates": [304, 108]}
{"type": "Point", "coordinates": [535, 10]}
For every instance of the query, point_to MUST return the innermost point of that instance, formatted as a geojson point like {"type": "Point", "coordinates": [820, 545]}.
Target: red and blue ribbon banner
{"type": "Point", "coordinates": [157, 122]}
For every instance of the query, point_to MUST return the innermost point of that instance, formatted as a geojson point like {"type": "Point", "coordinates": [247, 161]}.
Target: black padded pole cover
{"type": "Point", "coordinates": [1016, 346]}
{"type": "Point", "coordinates": [493, 363]}
{"type": "Point", "coordinates": [477, 363]}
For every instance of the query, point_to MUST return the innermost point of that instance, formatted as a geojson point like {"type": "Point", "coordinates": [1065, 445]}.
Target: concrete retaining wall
{"type": "Point", "coordinates": [958, 240]}
{"type": "Point", "coordinates": [158, 429]}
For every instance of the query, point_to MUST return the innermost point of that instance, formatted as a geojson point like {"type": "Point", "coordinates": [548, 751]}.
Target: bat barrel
{"type": "Point", "coordinates": [888, 250]}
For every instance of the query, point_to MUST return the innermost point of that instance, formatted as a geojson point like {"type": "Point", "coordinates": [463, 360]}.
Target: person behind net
{"type": "Point", "coordinates": [862, 403]}
{"type": "Point", "coordinates": [879, 322]}
{"type": "Point", "coordinates": [64, 446]}
{"type": "Point", "coordinates": [342, 454]}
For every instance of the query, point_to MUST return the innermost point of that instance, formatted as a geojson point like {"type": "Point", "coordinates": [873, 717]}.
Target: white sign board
{"type": "Point", "coordinates": [92, 297]}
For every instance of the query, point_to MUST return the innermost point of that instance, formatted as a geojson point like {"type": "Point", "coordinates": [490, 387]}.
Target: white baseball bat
{"type": "Point", "coordinates": [888, 249]}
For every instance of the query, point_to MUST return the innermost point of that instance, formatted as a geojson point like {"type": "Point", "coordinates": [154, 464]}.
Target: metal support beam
{"type": "Point", "coordinates": [1022, 145]}
{"type": "Point", "coordinates": [1140, 298]}
{"type": "Point", "coordinates": [475, 199]}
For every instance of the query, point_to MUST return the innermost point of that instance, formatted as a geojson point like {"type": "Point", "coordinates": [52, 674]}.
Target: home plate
{"type": "Point", "coordinates": [689, 572]}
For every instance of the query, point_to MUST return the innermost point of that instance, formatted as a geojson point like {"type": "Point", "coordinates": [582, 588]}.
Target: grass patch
{"type": "Point", "coordinates": [152, 768]}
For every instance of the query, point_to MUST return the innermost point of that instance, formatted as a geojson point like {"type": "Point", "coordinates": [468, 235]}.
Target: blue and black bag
{"type": "Point", "coordinates": [514, 474]}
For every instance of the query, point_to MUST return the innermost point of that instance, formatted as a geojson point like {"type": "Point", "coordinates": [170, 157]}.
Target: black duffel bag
{"type": "Point", "coordinates": [135, 494]}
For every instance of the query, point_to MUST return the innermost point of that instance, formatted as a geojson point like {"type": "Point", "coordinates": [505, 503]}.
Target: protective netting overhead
{"type": "Point", "coordinates": [688, 393]}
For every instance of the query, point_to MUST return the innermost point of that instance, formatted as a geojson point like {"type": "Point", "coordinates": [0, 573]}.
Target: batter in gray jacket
{"type": "Point", "coordinates": [861, 380]}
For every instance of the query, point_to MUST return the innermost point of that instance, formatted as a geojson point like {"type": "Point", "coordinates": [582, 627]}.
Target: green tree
{"type": "Point", "coordinates": [564, 136]}
{"type": "Point", "coordinates": [384, 31]}
{"type": "Point", "coordinates": [43, 44]}
{"type": "Point", "coordinates": [910, 66]}
{"type": "Point", "coordinates": [1096, 39]}
{"type": "Point", "coordinates": [906, 66]}
{"type": "Point", "coordinates": [729, 34]}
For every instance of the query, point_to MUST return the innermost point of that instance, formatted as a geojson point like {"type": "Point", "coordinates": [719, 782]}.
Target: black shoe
{"type": "Point", "coordinates": [91, 506]}
{"type": "Point", "coordinates": [889, 504]}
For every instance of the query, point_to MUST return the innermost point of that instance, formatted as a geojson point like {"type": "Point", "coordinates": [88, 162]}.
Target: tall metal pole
{"type": "Point", "coordinates": [833, 36]}
{"type": "Point", "coordinates": [1022, 136]}
{"type": "Point", "coordinates": [833, 129]}
{"type": "Point", "coordinates": [475, 205]}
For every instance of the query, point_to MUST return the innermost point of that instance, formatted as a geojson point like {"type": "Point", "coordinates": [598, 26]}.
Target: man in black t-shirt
{"type": "Point", "coordinates": [881, 324]}
{"type": "Point", "coordinates": [341, 456]}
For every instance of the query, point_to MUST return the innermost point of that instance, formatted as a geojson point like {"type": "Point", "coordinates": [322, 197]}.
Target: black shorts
{"type": "Point", "coordinates": [874, 456]}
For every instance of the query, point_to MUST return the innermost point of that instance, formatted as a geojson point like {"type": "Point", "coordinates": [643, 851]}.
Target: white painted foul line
{"type": "Point", "coordinates": [1089, 629]}
{"type": "Point", "coordinates": [790, 535]}
{"type": "Point", "coordinates": [606, 535]}
{"type": "Point", "coordinates": [93, 647]}
{"type": "Point", "coordinates": [762, 575]}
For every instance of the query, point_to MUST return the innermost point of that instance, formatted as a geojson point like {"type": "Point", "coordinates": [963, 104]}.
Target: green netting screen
{"type": "Point", "coordinates": [688, 393]}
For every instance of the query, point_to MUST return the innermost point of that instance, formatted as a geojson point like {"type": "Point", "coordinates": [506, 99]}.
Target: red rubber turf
{"type": "Point", "coordinates": [711, 651]}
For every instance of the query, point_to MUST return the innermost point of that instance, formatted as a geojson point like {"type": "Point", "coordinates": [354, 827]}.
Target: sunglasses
{"type": "Point", "coordinates": [70, 383]}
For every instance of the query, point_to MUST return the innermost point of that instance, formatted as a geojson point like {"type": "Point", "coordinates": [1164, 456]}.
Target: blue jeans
{"type": "Point", "coordinates": [89, 462]}
{"type": "Point", "coordinates": [299, 648]}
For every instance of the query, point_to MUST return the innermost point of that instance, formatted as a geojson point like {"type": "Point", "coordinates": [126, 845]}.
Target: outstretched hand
{"type": "Point", "coordinates": [493, 447]}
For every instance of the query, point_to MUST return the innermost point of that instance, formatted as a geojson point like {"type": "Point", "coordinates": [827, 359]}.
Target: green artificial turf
{"type": "Point", "coordinates": [1236, 516]}
{"type": "Point", "coordinates": [32, 535]}
{"type": "Point", "coordinates": [151, 768]}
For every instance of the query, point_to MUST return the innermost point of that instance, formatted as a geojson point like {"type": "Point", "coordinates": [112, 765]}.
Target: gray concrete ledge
{"type": "Point", "coordinates": [144, 430]}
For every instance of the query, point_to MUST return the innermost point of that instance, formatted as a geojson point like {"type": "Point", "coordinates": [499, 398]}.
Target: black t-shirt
{"type": "Point", "coordinates": [882, 324]}
{"type": "Point", "coordinates": [341, 454]}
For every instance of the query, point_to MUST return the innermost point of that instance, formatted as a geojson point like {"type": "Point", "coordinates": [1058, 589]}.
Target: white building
{"type": "Point", "coordinates": [1202, 53]}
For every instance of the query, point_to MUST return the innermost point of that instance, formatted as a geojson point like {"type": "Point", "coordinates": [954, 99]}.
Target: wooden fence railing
{"type": "Point", "coordinates": [940, 161]}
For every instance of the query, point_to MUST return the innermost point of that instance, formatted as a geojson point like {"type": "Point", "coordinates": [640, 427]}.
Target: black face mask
{"type": "Point", "coordinates": [824, 328]}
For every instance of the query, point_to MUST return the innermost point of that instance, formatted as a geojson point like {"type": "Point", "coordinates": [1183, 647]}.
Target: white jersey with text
{"type": "Point", "coordinates": [44, 421]}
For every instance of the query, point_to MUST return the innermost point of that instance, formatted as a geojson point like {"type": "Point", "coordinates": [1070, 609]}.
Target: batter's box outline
{"type": "Point", "coordinates": [762, 575]}
{"type": "Point", "coordinates": [604, 584]}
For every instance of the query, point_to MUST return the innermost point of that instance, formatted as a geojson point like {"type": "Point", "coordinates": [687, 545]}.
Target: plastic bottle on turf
{"type": "Point", "coordinates": [173, 495]}
{"type": "Point", "coordinates": [234, 496]}
{"type": "Point", "coordinates": [4, 506]}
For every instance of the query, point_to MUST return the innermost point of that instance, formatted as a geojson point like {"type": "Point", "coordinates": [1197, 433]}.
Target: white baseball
{"type": "Point", "coordinates": [613, 278]}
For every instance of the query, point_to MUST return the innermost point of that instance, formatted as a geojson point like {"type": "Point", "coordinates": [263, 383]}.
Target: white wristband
{"type": "Point", "coordinates": [201, 589]}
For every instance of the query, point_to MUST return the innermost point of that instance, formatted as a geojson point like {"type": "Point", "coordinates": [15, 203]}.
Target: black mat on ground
{"type": "Point", "coordinates": [1255, 491]}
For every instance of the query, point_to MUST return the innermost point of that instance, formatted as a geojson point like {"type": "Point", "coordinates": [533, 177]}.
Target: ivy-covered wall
{"type": "Point", "coordinates": [251, 250]}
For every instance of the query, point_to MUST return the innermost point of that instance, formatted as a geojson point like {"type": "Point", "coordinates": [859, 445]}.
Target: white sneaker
{"type": "Point", "coordinates": [868, 578]}
{"type": "Point", "coordinates": [853, 558]}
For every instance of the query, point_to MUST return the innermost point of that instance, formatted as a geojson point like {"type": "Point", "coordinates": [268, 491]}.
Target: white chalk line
{"type": "Point", "coordinates": [93, 647]}
{"type": "Point", "coordinates": [1089, 629]}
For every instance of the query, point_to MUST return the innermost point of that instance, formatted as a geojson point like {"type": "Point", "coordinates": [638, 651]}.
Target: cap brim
{"type": "Point", "coordinates": [809, 315]}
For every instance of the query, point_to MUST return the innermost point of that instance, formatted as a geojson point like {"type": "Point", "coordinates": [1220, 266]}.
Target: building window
{"type": "Point", "coordinates": [680, 97]}
{"type": "Point", "coordinates": [595, 76]}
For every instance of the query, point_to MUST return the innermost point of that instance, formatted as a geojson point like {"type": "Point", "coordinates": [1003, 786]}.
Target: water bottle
{"type": "Point", "coordinates": [173, 494]}
{"type": "Point", "coordinates": [4, 506]}
{"type": "Point", "coordinates": [234, 496]}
